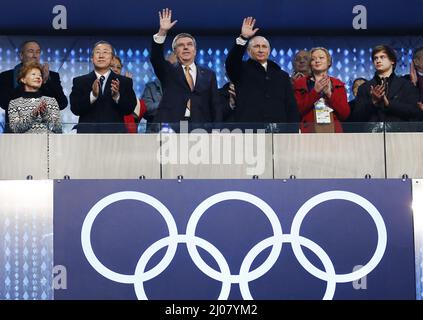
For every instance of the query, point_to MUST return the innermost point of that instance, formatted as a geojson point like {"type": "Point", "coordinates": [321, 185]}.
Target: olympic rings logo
{"type": "Point", "coordinates": [224, 275]}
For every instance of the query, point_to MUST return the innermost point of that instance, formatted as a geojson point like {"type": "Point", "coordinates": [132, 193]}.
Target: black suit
{"type": "Point", "coordinates": [104, 115]}
{"type": "Point", "coordinates": [262, 95]}
{"type": "Point", "coordinates": [10, 90]}
{"type": "Point", "coordinates": [402, 97]}
{"type": "Point", "coordinates": [227, 111]}
{"type": "Point", "coordinates": [205, 102]}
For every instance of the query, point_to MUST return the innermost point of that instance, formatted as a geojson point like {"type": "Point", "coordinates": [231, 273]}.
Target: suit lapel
{"type": "Point", "coordinates": [92, 76]}
{"type": "Point", "coordinates": [181, 75]}
{"type": "Point", "coordinates": [107, 88]}
{"type": "Point", "coordinates": [198, 80]}
{"type": "Point", "coordinates": [200, 77]}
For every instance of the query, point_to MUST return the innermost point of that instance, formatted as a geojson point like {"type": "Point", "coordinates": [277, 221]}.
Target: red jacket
{"type": "Point", "coordinates": [306, 99]}
{"type": "Point", "coordinates": [131, 122]}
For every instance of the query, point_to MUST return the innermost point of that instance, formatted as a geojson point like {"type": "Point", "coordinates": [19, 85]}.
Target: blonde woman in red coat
{"type": "Point", "coordinates": [321, 99]}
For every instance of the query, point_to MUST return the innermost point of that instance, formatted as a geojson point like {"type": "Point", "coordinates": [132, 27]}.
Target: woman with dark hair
{"type": "Point", "coordinates": [321, 99]}
{"type": "Point", "coordinates": [32, 112]}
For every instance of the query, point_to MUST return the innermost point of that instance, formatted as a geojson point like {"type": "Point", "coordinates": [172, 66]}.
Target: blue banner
{"type": "Point", "coordinates": [233, 239]}
{"type": "Point", "coordinates": [219, 15]}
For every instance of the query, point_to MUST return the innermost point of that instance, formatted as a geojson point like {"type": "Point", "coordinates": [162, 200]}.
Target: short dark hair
{"type": "Point", "coordinates": [390, 52]}
{"type": "Point", "coordinates": [28, 67]}
{"type": "Point", "coordinates": [103, 42]}
{"type": "Point", "coordinates": [23, 44]}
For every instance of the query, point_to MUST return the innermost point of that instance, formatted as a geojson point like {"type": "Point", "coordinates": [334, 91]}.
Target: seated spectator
{"type": "Point", "coordinates": [131, 120]}
{"type": "Point", "coordinates": [321, 99]}
{"type": "Point", "coordinates": [386, 97]}
{"type": "Point", "coordinates": [301, 64]}
{"type": "Point", "coordinates": [33, 112]}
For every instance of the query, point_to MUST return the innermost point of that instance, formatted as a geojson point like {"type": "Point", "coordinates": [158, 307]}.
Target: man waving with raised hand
{"type": "Point", "coordinates": [189, 90]}
{"type": "Point", "coordinates": [264, 91]}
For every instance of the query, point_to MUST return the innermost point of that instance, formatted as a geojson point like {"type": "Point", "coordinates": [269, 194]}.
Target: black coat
{"type": "Point", "coordinates": [104, 111]}
{"type": "Point", "coordinates": [9, 91]}
{"type": "Point", "coordinates": [402, 97]}
{"type": "Point", "coordinates": [261, 95]}
{"type": "Point", "coordinates": [205, 102]}
{"type": "Point", "coordinates": [228, 112]}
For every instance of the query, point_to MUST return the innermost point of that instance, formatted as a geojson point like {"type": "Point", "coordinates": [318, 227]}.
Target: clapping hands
{"type": "Point", "coordinates": [41, 109]}
{"type": "Point", "coordinates": [324, 85]}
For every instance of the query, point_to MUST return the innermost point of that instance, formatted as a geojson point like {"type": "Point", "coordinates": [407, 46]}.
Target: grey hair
{"type": "Point", "coordinates": [183, 35]}
{"type": "Point", "coordinates": [103, 42]}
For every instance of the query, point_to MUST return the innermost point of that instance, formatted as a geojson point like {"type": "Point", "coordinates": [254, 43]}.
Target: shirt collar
{"type": "Point", "coordinates": [106, 75]}
{"type": "Point", "coordinates": [192, 67]}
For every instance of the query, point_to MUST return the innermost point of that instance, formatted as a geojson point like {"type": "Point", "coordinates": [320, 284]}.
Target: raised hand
{"type": "Point", "coordinates": [166, 21]}
{"type": "Point", "coordinates": [247, 29]}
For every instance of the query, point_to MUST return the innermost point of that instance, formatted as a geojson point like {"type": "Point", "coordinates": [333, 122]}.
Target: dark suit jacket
{"type": "Point", "coordinates": [402, 96]}
{"type": "Point", "coordinates": [261, 95]}
{"type": "Point", "coordinates": [104, 115]}
{"type": "Point", "coordinates": [205, 103]}
{"type": "Point", "coordinates": [227, 111]}
{"type": "Point", "coordinates": [8, 91]}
